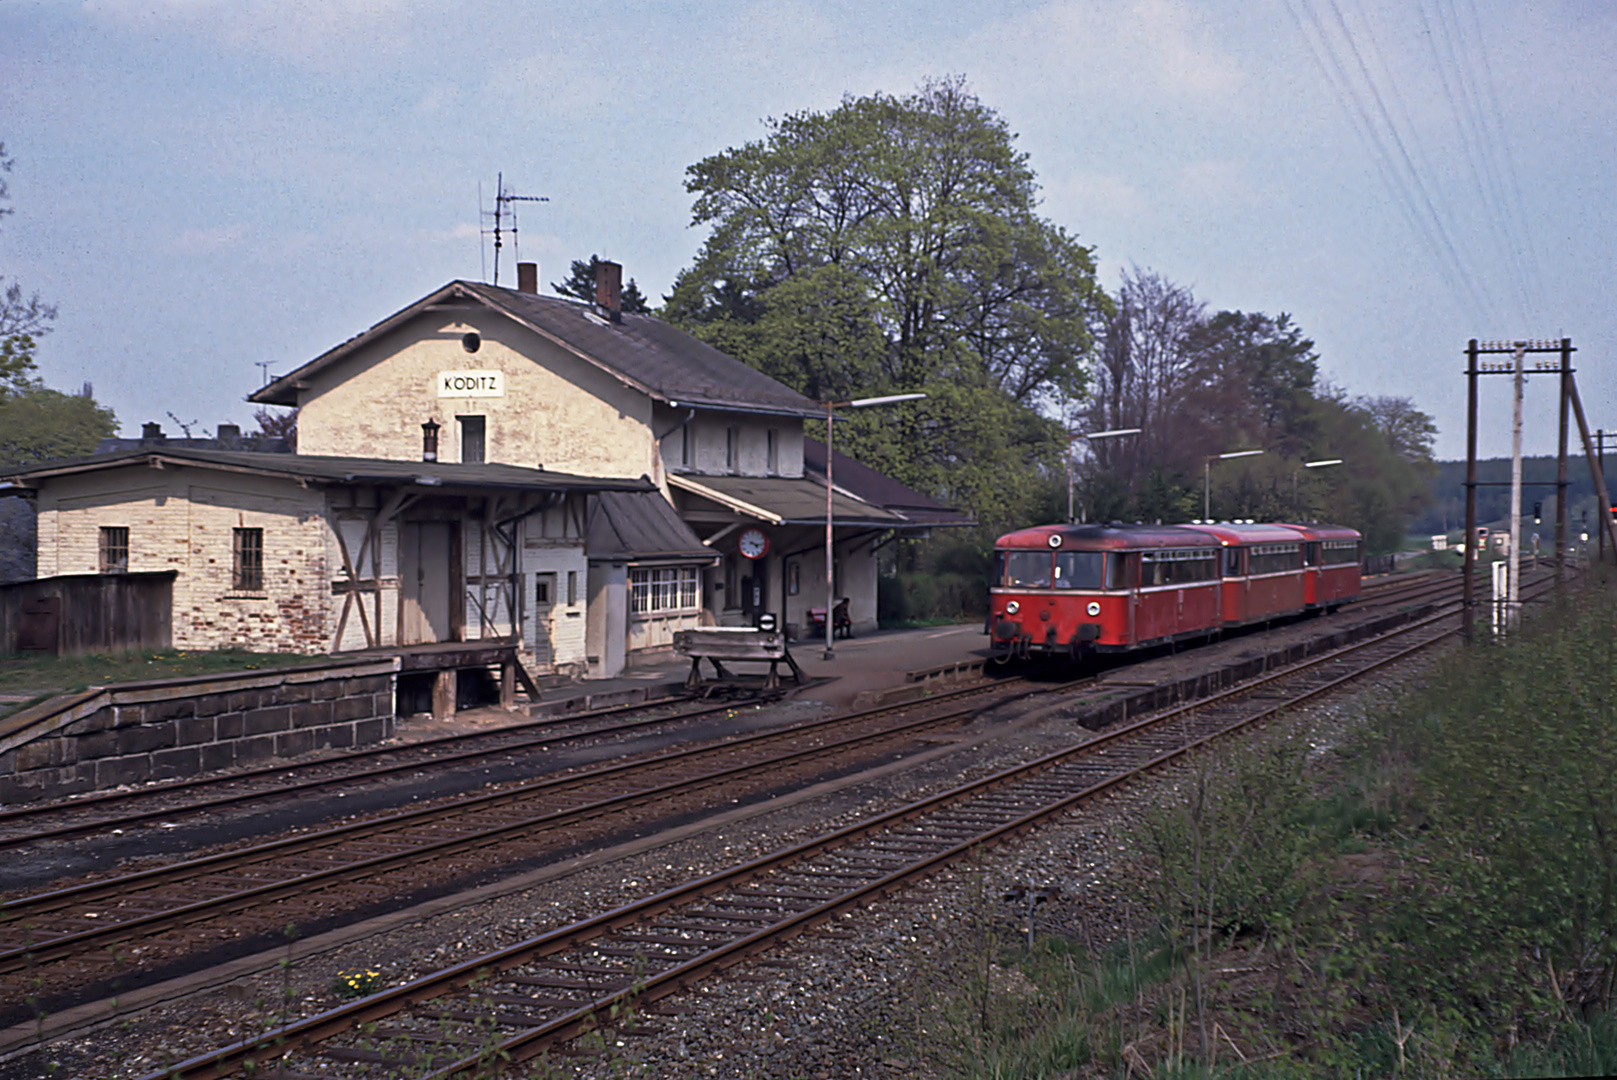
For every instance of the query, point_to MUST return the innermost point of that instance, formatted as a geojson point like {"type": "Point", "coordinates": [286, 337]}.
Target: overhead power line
{"type": "Point", "coordinates": [1364, 79]}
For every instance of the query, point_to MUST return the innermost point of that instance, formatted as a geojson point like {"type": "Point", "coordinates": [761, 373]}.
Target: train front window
{"type": "Point", "coordinates": [1079, 569]}
{"type": "Point", "coordinates": [1115, 578]}
{"type": "Point", "coordinates": [1027, 569]}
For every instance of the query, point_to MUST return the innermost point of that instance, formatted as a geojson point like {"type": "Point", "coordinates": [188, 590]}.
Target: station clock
{"type": "Point", "coordinates": [753, 543]}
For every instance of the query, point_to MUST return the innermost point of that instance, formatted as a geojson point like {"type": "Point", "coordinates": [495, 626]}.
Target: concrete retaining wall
{"type": "Point", "coordinates": [1136, 702]}
{"type": "Point", "coordinates": [173, 728]}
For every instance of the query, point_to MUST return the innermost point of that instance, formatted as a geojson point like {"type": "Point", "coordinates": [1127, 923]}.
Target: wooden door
{"type": "Point", "coordinates": [426, 582]}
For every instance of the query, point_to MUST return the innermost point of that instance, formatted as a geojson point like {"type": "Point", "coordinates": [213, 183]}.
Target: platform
{"type": "Point", "coordinates": [861, 665]}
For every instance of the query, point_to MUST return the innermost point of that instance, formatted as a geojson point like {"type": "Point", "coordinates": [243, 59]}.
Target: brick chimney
{"type": "Point", "coordinates": [609, 290]}
{"type": "Point", "coordinates": [150, 432]}
{"type": "Point", "coordinates": [527, 277]}
{"type": "Point", "coordinates": [230, 433]}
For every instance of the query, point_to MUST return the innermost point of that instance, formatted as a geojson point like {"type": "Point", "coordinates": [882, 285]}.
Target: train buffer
{"type": "Point", "coordinates": [720, 645]}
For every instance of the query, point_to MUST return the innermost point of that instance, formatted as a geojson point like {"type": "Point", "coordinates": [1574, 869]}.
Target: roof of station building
{"type": "Point", "coordinates": [642, 351]}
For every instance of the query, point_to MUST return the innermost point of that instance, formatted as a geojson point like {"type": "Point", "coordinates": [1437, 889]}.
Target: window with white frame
{"type": "Point", "coordinates": [663, 588]}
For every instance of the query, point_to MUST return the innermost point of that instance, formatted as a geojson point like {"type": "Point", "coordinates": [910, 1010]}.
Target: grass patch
{"type": "Point", "coordinates": [917, 624]}
{"type": "Point", "coordinates": [44, 676]}
{"type": "Point", "coordinates": [1438, 898]}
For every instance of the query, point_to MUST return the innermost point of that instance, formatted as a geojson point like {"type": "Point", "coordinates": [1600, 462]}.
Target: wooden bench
{"type": "Point", "coordinates": [728, 644]}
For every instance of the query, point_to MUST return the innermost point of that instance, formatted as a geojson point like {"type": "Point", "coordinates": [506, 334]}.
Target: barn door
{"type": "Point", "coordinates": [426, 582]}
{"type": "Point", "coordinates": [39, 624]}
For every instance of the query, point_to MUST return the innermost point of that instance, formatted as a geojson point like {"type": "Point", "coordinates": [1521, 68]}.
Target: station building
{"type": "Point", "coordinates": [492, 464]}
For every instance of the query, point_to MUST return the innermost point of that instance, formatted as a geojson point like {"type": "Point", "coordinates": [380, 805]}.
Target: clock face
{"type": "Point", "coordinates": [753, 543]}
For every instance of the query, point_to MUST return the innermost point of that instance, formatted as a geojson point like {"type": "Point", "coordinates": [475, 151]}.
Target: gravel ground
{"type": "Point", "coordinates": [845, 1000]}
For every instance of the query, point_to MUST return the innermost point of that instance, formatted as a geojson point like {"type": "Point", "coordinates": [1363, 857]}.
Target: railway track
{"type": "Point", "coordinates": [156, 918]}
{"type": "Point", "coordinates": [511, 1005]}
{"type": "Point", "coordinates": [24, 825]}
{"type": "Point", "coordinates": [172, 801]}
{"type": "Point", "coordinates": [208, 908]}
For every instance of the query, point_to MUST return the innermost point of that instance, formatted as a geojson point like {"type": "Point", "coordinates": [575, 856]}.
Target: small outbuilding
{"type": "Point", "coordinates": [318, 554]}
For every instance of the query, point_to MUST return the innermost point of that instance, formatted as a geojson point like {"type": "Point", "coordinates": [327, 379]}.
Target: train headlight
{"type": "Point", "coordinates": [1012, 608]}
{"type": "Point", "coordinates": [1093, 608]}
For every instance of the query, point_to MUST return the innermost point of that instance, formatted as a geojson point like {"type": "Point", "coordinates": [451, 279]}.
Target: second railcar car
{"type": "Point", "coordinates": [1262, 571]}
{"type": "Point", "coordinates": [1332, 557]}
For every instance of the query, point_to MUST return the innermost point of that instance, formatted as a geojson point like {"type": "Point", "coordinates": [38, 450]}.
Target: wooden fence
{"type": "Point", "coordinates": [87, 613]}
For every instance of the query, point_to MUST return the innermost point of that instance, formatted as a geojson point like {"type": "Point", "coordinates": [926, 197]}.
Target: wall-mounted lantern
{"type": "Point", "coordinates": [429, 441]}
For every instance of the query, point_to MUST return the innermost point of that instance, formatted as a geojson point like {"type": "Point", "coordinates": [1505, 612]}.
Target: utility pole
{"type": "Point", "coordinates": [1604, 511]}
{"type": "Point", "coordinates": [1513, 583]}
{"type": "Point", "coordinates": [1560, 467]}
{"type": "Point", "coordinates": [1468, 585]}
{"type": "Point", "coordinates": [1516, 367]}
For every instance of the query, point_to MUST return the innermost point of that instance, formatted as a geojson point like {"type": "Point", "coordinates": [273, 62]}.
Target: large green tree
{"type": "Point", "coordinates": [894, 244]}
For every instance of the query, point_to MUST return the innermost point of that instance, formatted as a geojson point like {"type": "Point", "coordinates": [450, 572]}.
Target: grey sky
{"type": "Point", "coordinates": [204, 185]}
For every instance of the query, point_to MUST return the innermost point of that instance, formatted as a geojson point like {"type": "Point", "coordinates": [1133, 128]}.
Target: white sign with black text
{"type": "Point", "coordinates": [471, 384]}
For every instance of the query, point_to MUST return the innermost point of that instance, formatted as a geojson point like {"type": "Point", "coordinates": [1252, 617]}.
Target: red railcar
{"type": "Point", "coordinates": [1066, 590]}
{"type": "Point", "coordinates": [1069, 589]}
{"type": "Point", "coordinates": [1263, 571]}
{"type": "Point", "coordinates": [1332, 555]}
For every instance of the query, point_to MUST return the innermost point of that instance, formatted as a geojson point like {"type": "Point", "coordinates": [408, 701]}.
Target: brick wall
{"type": "Point", "coordinates": [184, 520]}
{"type": "Point", "coordinates": [178, 727]}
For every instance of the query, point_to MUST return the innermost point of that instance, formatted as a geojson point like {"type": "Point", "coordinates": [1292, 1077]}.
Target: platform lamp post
{"type": "Point", "coordinates": [1207, 478]}
{"type": "Point", "coordinates": [1295, 503]}
{"type": "Point", "coordinates": [830, 561]}
{"type": "Point", "coordinates": [1090, 435]}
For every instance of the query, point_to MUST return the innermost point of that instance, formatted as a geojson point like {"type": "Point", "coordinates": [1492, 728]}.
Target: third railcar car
{"type": "Point", "coordinates": [1066, 590]}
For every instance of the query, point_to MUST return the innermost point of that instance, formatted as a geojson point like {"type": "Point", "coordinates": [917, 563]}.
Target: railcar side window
{"type": "Point", "coordinates": [1079, 569]}
{"type": "Point", "coordinates": [1232, 562]}
{"type": "Point", "coordinates": [1341, 552]}
{"type": "Point", "coordinates": [1027, 569]}
{"type": "Point", "coordinates": [1179, 567]}
{"type": "Point", "coordinates": [1275, 558]}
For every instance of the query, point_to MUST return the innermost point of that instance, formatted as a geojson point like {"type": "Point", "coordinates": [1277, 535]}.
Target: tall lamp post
{"type": "Point", "coordinates": [830, 563]}
{"type": "Point", "coordinates": [1295, 503]}
{"type": "Point", "coordinates": [1207, 478]}
{"type": "Point", "coordinates": [1090, 435]}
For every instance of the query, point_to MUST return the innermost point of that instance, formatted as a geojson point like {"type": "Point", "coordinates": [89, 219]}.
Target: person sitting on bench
{"type": "Point", "coordinates": [841, 621]}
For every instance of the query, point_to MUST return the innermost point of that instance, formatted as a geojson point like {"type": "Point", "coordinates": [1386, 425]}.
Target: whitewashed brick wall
{"type": "Point", "coordinates": [184, 519]}
{"type": "Point", "coordinates": [559, 411]}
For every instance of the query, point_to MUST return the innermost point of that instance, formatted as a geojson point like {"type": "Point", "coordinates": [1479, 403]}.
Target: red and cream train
{"type": "Point", "coordinates": [1069, 590]}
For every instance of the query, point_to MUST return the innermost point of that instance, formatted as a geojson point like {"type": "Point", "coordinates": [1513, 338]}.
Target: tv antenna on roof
{"type": "Point", "coordinates": [503, 208]}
